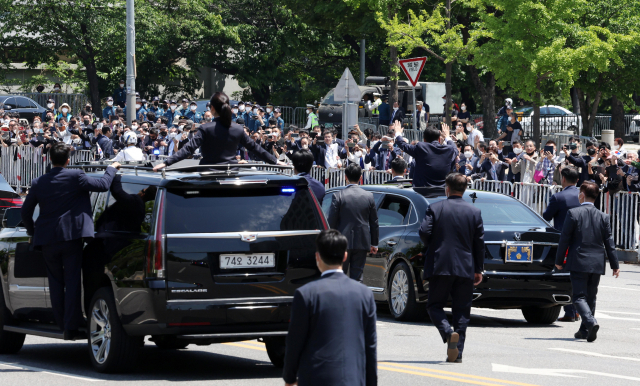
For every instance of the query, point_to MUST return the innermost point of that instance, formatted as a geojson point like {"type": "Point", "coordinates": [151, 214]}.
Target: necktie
{"type": "Point", "coordinates": [493, 173]}
{"type": "Point", "coordinates": [386, 162]}
{"type": "Point", "coordinates": [361, 163]}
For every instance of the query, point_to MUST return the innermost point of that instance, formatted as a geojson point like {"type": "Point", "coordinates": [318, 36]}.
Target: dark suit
{"type": "Point", "coordinates": [397, 115]}
{"type": "Point", "coordinates": [586, 233]}
{"type": "Point", "coordinates": [316, 187]}
{"type": "Point", "coordinates": [433, 161]}
{"type": "Point", "coordinates": [332, 334]}
{"type": "Point", "coordinates": [580, 162]}
{"type": "Point", "coordinates": [384, 113]}
{"type": "Point", "coordinates": [453, 234]}
{"type": "Point", "coordinates": [381, 158]}
{"type": "Point", "coordinates": [319, 152]}
{"type": "Point", "coordinates": [500, 168]}
{"type": "Point", "coordinates": [219, 144]}
{"type": "Point", "coordinates": [353, 213]}
{"type": "Point", "coordinates": [106, 145]}
{"type": "Point", "coordinates": [65, 219]}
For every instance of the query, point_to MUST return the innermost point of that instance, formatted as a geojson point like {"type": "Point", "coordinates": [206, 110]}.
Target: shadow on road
{"type": "Point", "coordinates": [475, 321]}
{"type": "Point", "coordinates": [153, 364]}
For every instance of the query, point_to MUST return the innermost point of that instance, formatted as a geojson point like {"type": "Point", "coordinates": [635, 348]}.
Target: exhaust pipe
{"type": "Point", "coordinates": [561, 298]}
{"type": "Point", "coordinates": [476, 296]}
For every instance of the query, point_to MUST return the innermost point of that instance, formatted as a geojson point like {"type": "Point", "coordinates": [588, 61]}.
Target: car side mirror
{"type": "Point", "coordinates": [7, 107]}
{"type": "Point", "coordinates": [12, 218]}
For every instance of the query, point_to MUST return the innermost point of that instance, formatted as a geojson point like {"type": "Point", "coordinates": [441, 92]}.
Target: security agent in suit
{"type": "Point", "coordinates": [65, 219]}
{"type": "Point", "coordinates": [559, 205]}
{"type": "Point", "coordinates": [353, 213]}
{"type": "Point", "coordinates": [397, 114]}
{"type": "Point", "coordinates": [398, 169]}
{"type": "Point", "coordinates": [586, 233]}
{"type": "Point", "coordinates": [433, 159]}
{"type": "Point", "coordinates": [302, 162]}
{"type": "Point", "coordinates": [332, 333]}
{"type": "Point", "coordinates": [453, 234]}
{"type": "Point", "coordinates": [219, 140]}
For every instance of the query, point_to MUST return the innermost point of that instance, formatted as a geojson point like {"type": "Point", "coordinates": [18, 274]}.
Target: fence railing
{"type": "Point", "coordinates": [75, 101]}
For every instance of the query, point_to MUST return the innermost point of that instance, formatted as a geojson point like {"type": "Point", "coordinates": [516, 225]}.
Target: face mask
{"type": "Point", "coordinates": [468, 154]}
{"type": "Point", "coordinates": [358, 154]}
{"type": "Point", "coordinates": [616, 147]}
{"type": "Point", "coordinates": [463, 108]}
{"type": "Point", "coordinates": [134, 127]}
{"type": "Point", "coordinates": [255, 111]}
{"type": "Point", "coordinates": [173, 107]}
{"type": "Point", "coordinates": [138, 107]}
{"type": "Point", "coordinates": [208, 119]}
{"type": "Point", "coordinates": [395, 109]}
{"type": "Point", "coordinates": [86, 121]}
{"type": "Point", "coordinates": [180, 127]}
{"type": "Point", "coordinates": [517, 150]}
{"type": "Point", "coordinates": [268, 110]}
{"type": "Point", "coordinates": [193, 108]}
{"type": "Point", "coordinates": [163, 133]}
{"type": "Point", "coordinates": [50, 105]}
{"type": "Point", "coordinates": [241, 107]}
{"type": "Point", "coordinates": [121, 85]}
{"type": "Point", "coordinates": [109, 103]}
{"type": "Point", "coordinates": [64, 111]}
{"type": "Point", "coordinates": [57, 88]}
{"type": "Point", "coordinates": [305, 147]}
{"type": "Point", "coordinates": [235, 111]}
{"type": "Point", "coordinates": [308, 111]}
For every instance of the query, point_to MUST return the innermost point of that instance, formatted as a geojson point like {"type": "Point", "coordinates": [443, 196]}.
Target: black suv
{"type": "Point", "coordinates": [519, 255]}
{"type": "Point", "coordinates": [183, 256]}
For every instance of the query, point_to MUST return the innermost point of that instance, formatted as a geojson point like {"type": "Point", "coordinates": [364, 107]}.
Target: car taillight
{"type": "Point", "coordinates": [10, 202]}
{"type": "Point", "coordinates": [155, 246]}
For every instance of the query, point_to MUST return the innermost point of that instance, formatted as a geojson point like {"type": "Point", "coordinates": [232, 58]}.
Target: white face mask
{"type": "Point", "coordinates": [64, 111]}
{"type": "Point", "coordinates": [463, 108]}
{"type": "Point", "coordinates": [255, 111]}
{"type": "Point", "coordinates": [180, 127]}
{"type": "Point", "coordinates": [468, 154]}
{"type": "Point", "coordinates": [109, 103]}
{"type": "Point", "coordinates": [173, 107]}
{"type": "Point", "coordinates": [138, 107]}
{"type": "Point", "coordinates": [134, 127]}
{"type": "Point", "coordinates": [358, 154]}
{"type": "Point", "coordinates": [268, 110]}
{"type": "Point", "coordinates": [121, 85]}
{"type": "Point", "coordinates": [308, 111]}
{"type": "Point", "coordinates": [235, 111]}
{"type": "Point", "coordinates": [57, 88]}
{"type": "Point", "coordinates": [517, 150]}
{"type": "Point", "coordinates": [395, 109]}
{"type": "Point", "coordinates": [50, 105]}
{"type": "Point", "coordinates": [305, 147]}
{"type": "Point", "coordinates": [241, 107]}
{"type": "Point", "coordinates": [616, 147]}
{"type": "Point", "coordinates": [193, 108]}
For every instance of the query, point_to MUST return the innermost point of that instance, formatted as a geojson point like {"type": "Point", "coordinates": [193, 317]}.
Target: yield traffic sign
{"type": "Point", "coordinates": [412, 68]}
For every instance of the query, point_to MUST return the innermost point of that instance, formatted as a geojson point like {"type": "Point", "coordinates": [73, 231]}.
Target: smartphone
{"type": "Point", "coordinates": [612, 172]}
{"type": "Point", "coordinates": [320, 141]}
{"type": "Point", "coordinates": [548, 149]}
{"type": "Point", "coordinates": [312, 134]}
{"type": "Point", "coordinates": [40, 137]}
{"type": "Point", "coordinates": [351, 144]}
{"type": "Point", "coordinates": [295, 135]}
{"type": "Point", "coordinates": [598, 170]}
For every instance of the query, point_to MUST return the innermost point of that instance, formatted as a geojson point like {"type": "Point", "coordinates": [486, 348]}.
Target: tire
{"type": "Point", "coordinates": [402, 298]}
{"type": "Point", "coordinates": [537, 315]}
{"type": "Point", "coordinates": [111, 350]}
{"type": "Point", "coordinates": [574, 128]}
{"type": "Point", "coordinates": [10, 342]}
{"type": "Point", "coordinates": [275, 350]}
{"type": "Point", "coordinates": [168, 342]}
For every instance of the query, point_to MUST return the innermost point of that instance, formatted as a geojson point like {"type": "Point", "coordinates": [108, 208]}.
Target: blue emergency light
{"type": "Point", "coordinates": [288, 190]}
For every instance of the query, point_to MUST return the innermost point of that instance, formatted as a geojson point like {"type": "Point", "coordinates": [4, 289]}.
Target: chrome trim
{"type": "Point", "coordinates": [502, 273]}
{"type": "Point", "coordinates": [250, 274]}
{"type": "Point", "coordinates": [23, 288]}
{"type": "Point", "coordinates": [233, 235]}
{"type": "Point", "coordinates": [534, 243]}
{"type": "Point", "coordinates": [251, 307]}
{"type": "Point", "coordinates": [568, 301]}
{"type": "Point", "coordinates": [232, 301]}
{"type": "Point", "coordinates": [476, 295]}
{"type": "Point", "coordinates": [234, 335]}
{"type": "Point", "coordinates": [376, 289]}
{"type": "Point", "coordinates": [413, 208]}
{"type": "Point", "coordinates": [242, 182]}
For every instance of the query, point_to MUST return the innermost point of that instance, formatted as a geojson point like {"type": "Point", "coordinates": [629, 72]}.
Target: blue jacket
{"type": "Point", "coordinates": [195, 116]}
{"type": "Point", "coordinates": [453, 234]}
{"type": "Point", "coordinates": [170, 115]}
{"type": "Point", "coordinates": [108, 111]}
{"type": "Point", "coordinates": [433, 161]}
{"type": "Point", "coordinates": [316, 187]}
{"type": "Point", "coordinates": [321, 353]}
{"type": "Point", "coordinates": [384, 113]}
{"type": "Point", "coordinates": [580, 162]}
{"type": "Point", "coordinates": [106, 145]}
{"type": "Point", "coordinates": [501, 167]}
{"type": "Point", "coordinates": [65, 205]}
{"type": "Point", "coordinates": [120, 95]}
{"type": "Point", "coordinates": [559, 205]}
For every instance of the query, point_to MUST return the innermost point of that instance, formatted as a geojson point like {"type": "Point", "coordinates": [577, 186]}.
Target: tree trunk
{"type": "Point", "coordinates": [94, 91]}
{"type": "Point", "coordinates": [617, 118]}
{"type": "Point", "coordinates": [536, 120]}
{"type": "Point", "coordinates": [575, 101]}
{"type": "Point", "coordinates": [588, 111]}
{"type": "Point", "coordinates": [487, 93]}
{"type": "Point", "coordinates": [394, 72]}
{"type": "Point", "coordinates": [261, 93]}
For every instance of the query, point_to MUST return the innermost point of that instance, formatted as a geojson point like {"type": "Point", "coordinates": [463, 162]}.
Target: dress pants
{"type": "Point", "coordinates": [64, 264]}
{"type": "Point", "coordinates": [461, 291]}
{"type": "Point", "coordinates": [585, 289]}
{"type": "Point", "coordinates": [355, 263]}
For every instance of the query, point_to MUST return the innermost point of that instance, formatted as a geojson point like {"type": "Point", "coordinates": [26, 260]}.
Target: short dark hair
{"type": "Point", "coordinates": [164, 120]}
{"type": "Point", "coordinates": [353, 172]}
{"type": "Point", "coordinates": [331, 245]}
{"type": "Point", "coordinates": [327, 132]}
{"type": "Point", "coordinates": [456, 182]}
{"type": "Point", "coordinates": [590, 190]}
{"type": "Point", "coordinates": [105, 129]}
{"type": "Point", "coordinates": [431, 134]}
{"type": "Point", "coordinates": [273, 121]}
{"type": "Point", "coordinates": [570, 174]}
{"type": "Point", "coordinates": [151, 116]}
{"type": "Point", "coordinates": [591, 143]}
{"type": "Point", "coordinates": [59, 154]}
{"type": "Point", "coordinates": [604, 145]}
{"type": "Point", "coordinates": [398, 165]}
{"type": "Point", "coordinates": [302, 161]}
{"type": "Point", "coordinates": [516, 142]}
{"type": "Point", "coordinates": [551, 142]}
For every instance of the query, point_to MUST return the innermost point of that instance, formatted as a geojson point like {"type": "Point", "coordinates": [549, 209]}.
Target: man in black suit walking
{"type": "Point", "coordinates": [586, 233]}
{"type": "Point", "coordinates": [353, 213]}
{"type": "Point", "coordinates": [332, 333]}
{"type": "Point", "coordinates": [65, 219]}
{"type": "Point", "coordinates": [453, 234]}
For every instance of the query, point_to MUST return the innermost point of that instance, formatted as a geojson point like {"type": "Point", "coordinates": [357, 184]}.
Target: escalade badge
{"type": "Point", "coordinates": [248, 237]}
{"type": "Point", "coordinates": [517, 236]}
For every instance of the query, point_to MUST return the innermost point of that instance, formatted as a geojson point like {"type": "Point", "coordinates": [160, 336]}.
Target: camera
{"type": "Point", "coordinates": [573, 146]}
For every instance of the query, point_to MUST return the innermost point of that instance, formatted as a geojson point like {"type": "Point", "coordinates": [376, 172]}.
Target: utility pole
{"type": "Point", "coordinates": [448, 67]}
{"type": "Point", "coordinates": [362, 48]}
{"type": "Point", "coordinates": [131, 63]}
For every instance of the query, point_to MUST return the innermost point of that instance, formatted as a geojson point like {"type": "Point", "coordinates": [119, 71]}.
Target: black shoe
{"type": "Point", "coordinates": [580, 335]}
{"type": "Point", "coordinates": [74, 335]}
{"type": "Point", "coordinates": [452, 347]}
{"type": "Point", "coordinates": [593, 333]}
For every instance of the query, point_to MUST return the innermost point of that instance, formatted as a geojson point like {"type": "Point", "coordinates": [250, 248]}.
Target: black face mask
{"type": "Point", "coordinates": [164, 133]}
{"type": "Point", "coordinates": [155, 103]}
{"type": "Point", "coordinates": [165, 106]}
{"type": "Point", "coordinates": [86, 121]}
{"type": "Point", "coordinates": [88, 109]}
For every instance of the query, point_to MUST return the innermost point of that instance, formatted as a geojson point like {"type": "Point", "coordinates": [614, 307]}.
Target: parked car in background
{"type": "Point", "coordinates": [8, 197]}
{"type": "Point", "coordinates": [27, 107]}
{"type": "Point", "coordinates": [634, 128]}
{"type": "Point", "coordinates": [552, 119]}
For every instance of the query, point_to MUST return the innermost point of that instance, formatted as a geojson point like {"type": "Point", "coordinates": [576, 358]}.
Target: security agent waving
{"type": "Point", "coordinates": [219, 140]}
{"type": "Point", "coordinates": [65, 219]}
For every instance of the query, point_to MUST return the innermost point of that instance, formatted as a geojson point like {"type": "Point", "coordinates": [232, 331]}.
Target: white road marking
{"type": "Point", "coordinates": [620, 288]}
{"type": "Point", "coordinates": [556, 372]}
{"type": "Point", "coordinates": [600, 315]}
{"type": "Point", "coordinates": [619, 312]}
{"type": "Point", "coordinates": [39, 370]}
{"type": "Point", "coordinates": [595, 354]}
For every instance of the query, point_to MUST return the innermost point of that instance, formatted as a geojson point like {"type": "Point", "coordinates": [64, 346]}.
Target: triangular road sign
{"type": "Point", "coordinates": [412, 68]}
{"type": "Point", "coordinates": [347, 88]}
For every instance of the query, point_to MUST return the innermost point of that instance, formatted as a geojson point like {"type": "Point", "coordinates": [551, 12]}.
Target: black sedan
{"type": "Point", "coordinates": [519, 261]}
{"type": "Point", "coordinates": [27, 107]}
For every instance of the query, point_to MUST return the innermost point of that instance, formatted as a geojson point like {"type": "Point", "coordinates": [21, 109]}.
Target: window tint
{"type": "Point", "coordinates": [326, 203]}
{"type": "Point", "coordinates": [393, 211]}
{"type": "Point", "coordinates": [239, 210]}
{"type": "Point", "coordinates": [11, 102]}
{"type": "Point", "coordinates": [556, 111]}
{"type": "Point", "coordinates": [501, 212]}
{"type": "Point", "coordinates": [129, 208]}
{"type": "Point", "coordinates": [328, 99]}
{"type": "Point", "coordinates": [23, 103]}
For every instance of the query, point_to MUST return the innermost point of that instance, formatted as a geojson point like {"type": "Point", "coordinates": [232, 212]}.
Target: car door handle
{"type": "Point", "coordinates": [391, 242]}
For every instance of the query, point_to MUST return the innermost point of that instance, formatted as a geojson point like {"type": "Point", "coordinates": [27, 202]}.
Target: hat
{"type": "Point", "coordinates": [385, 97]}
{"type": "Point", "coordinates": [234, 105]}
{"type": "Point", "coordinates": [183, 117]}
{"type": "Point", "coordinates": [172, 102]}
{"type": "Point", "coordinates": [137, 99]}
{"type": "Point", "coordinates": [87, 104]}
{"type": "Point", "coordinates": [185, 100]}
{"type": "Point", "coordinates": [241, 103]}
{"type": "Point", "coordinates": [64, 104]}
{"type": "Point", "coordinates": [276, 111]}
{"type": "Point", "coordinates": [309, 106]}
{"type": "Point", "coordinates": [248, 103]}
{"type": "Point", "coordinates": [121, 80]}
{"type": "Point", "coordinates": [137, 94]}
{"type": "Point", "coordinates": [52, 101]}
{"type": "Point", "coordinates": [376, 94]}
{"type": "Point", "coordinates": [260, 109]}
{"type": "Point", "coordinates": [165, 101]}
{"type": "Point", "coordinates": [5, 125]}
{"type": "Point", "coordinates": [161, 127]}
{"type": "Point", "coordinates": [155, 98]}
{"type": "Point", "coordinates": [240, 121]}
{"type": "Point", "coordinates": [144, 101]}
{"type": "Point", "coordinates": [419, 103]}
{"type": "Point", "coordinates": [269, 104]}
{"type": "Point", "coordinates": [193, 103]}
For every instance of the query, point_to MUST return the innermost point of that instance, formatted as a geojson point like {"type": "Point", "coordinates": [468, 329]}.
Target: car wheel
{"type": "Point", "coordinates": [538, 315]}
{"type": "Point", "coordinates": [169, 342]}
{"type": "Point", "coordinates": [110, 348]}
{"type": "Point", "coordinates": [275, 349]}
{"type": "Point", "coordinates": [10, 342]}
{"type": "Point", "coordinates": [402, 298]}
{"type": "Point", "coordinates": [574, 129]}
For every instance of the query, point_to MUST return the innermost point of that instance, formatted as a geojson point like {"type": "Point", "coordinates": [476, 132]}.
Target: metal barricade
{"type": "Point", "coordinates": [533, 195]}
{"type": "Point", "coordinates": [503, 187]}
{"type": "Point", "coordinates": [383, 129]}
{"type": "Point", "coordinates": [300, 117]}
{"type": "Point", "coordinates": [334, 178]}
{"type": "Point", "coordinates": [286, 113]}
{"type": "Point", "coordinates": [624, 220]}
{"type": "Point", "coordinates": [318, 173]}
{"type": "Point", "coordinates": [364, 126]}
{"type": "Point", "coordinates": [75, 101]}
{"type": "Point", "coordinates": [375, 177]}
{"type": "Point", "coordinates": [413, 135]}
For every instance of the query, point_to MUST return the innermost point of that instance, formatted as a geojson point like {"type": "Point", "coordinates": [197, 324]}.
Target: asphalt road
{"type": "Point", "coordinates": [502, 349]}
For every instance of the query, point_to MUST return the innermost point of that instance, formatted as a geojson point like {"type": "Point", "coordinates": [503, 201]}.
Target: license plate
{"type": "Point", "coordinates": [258, 260]}
{"type": "Point", "coordinates": [519, 253]}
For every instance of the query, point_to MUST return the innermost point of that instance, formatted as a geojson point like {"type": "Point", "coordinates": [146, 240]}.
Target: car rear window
{"type": "Point", "coordinates": [240, 210]}
{"type": "Point", "coordinates": [502, 212]}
